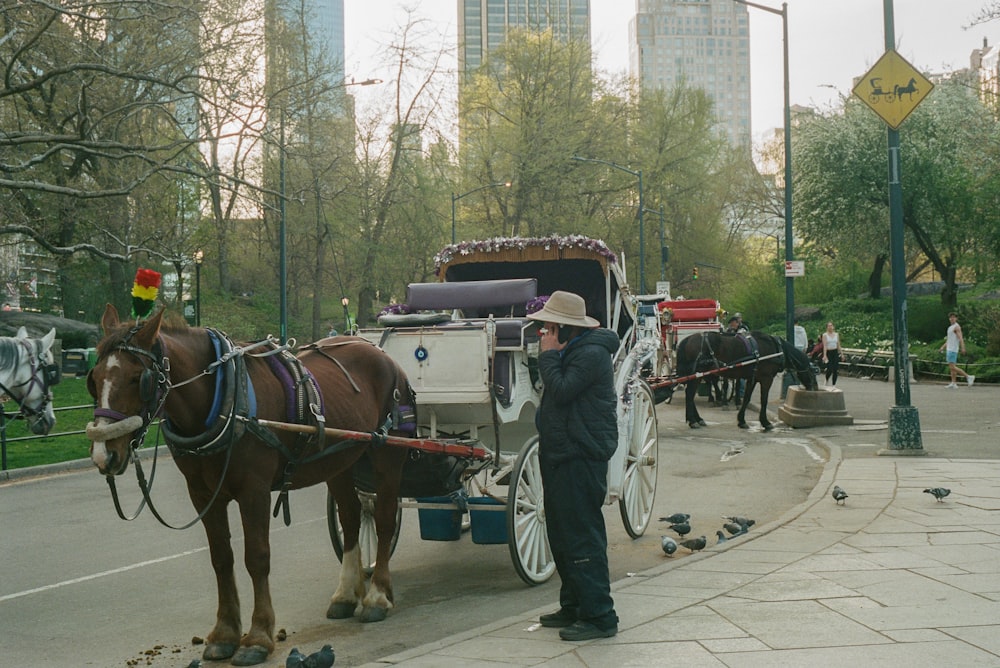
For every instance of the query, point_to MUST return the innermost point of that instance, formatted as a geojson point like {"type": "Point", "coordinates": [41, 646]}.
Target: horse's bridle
{"type": "Point", "coordinates": [154, 385]}
{"type": "Point", "coordinates": [42, 375]}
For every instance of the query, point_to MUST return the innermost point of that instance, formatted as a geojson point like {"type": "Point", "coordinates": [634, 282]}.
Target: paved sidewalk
{"type": "Point", "coordinates": [892, 577]}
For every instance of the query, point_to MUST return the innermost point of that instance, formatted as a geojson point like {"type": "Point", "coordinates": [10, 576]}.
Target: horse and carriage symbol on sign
{"type": "Point", "coordinates": [877, 94]}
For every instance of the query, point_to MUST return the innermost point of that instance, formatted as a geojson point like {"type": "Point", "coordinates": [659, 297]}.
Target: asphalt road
{"type": "Point", "coordinates": [82, 588]}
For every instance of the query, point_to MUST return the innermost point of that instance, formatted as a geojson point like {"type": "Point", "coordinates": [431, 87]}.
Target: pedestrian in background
{"type": "Point", "coordinates": [801, 341]}
{"type": "Point", "coordinates": [954, 343]}
{"type": "Point", "coordinates": [831, 353]}
{"type": "Point", "coordinates": [578, 433]}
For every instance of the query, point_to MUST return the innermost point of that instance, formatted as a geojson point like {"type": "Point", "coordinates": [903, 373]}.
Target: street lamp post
{"type": "Point", "coordinates": [789, 256]}
{"type": "Point", "coordinates": [455, 198]}
{"type": "Point", "coordinates": [199, 255]}
{"type": "Point", "coordinates": [347, 316]}
{"type": "Point", "coordinates": [642, 209]}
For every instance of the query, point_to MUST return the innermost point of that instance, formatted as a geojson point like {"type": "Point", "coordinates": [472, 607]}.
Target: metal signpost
{"type": "Point", "coordinates": [893, 88]}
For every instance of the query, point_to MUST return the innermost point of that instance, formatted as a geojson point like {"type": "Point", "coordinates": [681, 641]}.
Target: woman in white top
{"type": "Point", "coordinates": [831, 353]}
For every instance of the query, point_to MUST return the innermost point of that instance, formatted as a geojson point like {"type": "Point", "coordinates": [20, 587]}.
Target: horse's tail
{"type": "Point", "coordinates": [687, 355]}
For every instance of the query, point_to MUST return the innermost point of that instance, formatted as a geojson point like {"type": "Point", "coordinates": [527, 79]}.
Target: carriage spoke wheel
{"type": "Point", "coordinates": [526, 537]}
{"type": "Point", "coordinates": [641, 462]}
{"type": "Point", "coordinates": [367, 536]}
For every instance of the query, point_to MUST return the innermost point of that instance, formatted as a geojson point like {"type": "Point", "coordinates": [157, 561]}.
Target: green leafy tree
{"type": "Point", "coordinates": [841, 190]}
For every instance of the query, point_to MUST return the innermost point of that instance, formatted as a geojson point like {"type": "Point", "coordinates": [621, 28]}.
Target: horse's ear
{"type": "Point", "coordinates": [110, 318]}
{"type": "Point", "coordinates": [48, 339]}
{"type": "Point", "coordinates": [146, 336]}
{"type": "Point", "coordinates": [22, 333]}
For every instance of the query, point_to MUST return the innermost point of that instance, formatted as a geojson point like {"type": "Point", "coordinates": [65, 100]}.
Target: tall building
{"type": "Point", "coordinates": [702, 44]}
{"type": "Point", "coordinates": [483, 24]}
{"type": "Point", "coordinates": [324, 26]}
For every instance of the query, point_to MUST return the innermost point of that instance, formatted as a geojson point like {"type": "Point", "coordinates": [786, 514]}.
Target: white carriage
{"type": "Point", "coordinates": [471, 356]}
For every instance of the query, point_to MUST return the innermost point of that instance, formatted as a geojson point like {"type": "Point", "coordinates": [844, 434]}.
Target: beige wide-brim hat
{"type": "Point", "coordinates": [565, 308]}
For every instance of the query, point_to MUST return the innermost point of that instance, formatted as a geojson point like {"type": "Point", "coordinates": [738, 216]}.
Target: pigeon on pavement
{"type": "Point", "coordinates": [196, 663]}
{"type": "Point", "coordinates": [839, 495]}
{"type": "Point", "coordinates": [695, 544]}
{"type": "Point", "coordinates": [740, 520]}
{"type": "Point", "coordinates": [321, 659]}
{"type": "Point", "coordinates": [722, 536]}
{"type": "Point", "coordinates": [668, 544]}
{"type": "Point", "coordinates": [734, 529]}
{"type": "Point", "coordinates": [682, 529]}
{"type": "Point", "coordinates": [676, 518]}
{"type": "Point", "coordinates": [938, 492]}
{"type": "Point", "coordinates": [296, 659]}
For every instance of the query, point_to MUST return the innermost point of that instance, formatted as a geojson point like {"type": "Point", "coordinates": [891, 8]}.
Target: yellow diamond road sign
{"type": "Point", "coordinates": [893, 88]}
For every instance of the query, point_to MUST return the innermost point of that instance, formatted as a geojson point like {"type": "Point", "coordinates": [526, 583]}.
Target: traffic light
{"type": "Point", "coordinates": [694, 273]}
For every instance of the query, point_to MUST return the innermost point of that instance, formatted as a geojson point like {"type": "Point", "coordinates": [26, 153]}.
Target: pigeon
{"type": "Point", "coordinates": [722, 537]}
{"type": "Point", "coordinates": [676, 518]}
{"type": "Point", "coordinates": [196, 663]}
{"type": "Point", "coordinates": [839, 495]}
{"type": "Point", "coordinates": [740, 520]}
{"type": "Point", "coordinates": [321, 659]}
{"type": "Point", "coordinates": [735, 529]}
{"type": "Point", "coordinates": [296, 659]}
{"type": "Point", "coordinates": [938, 492]}
{"type": "Point", "coordinates": [668, 544]}
{"type": "Point", "coordinates": [682, 529]}
{"type": "Point", "coordinates": [695, 544]}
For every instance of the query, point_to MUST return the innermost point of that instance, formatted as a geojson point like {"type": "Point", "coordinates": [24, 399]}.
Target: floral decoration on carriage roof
{"type": "Point", "coordinates": [498, 244]}
{"type": "Point", "coordinates": [395, 309]}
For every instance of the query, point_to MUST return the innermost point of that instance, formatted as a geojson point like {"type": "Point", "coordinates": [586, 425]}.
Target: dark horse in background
{"type": "Point", "coordinates": [148, 370]}
{"type": "Point", "coordinates": [712, 350]}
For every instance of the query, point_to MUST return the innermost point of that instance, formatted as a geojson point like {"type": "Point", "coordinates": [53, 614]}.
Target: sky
{"type": "Point", "coordinates": [830, 42]}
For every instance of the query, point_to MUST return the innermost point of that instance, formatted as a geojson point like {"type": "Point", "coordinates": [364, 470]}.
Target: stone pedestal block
{"type": "Point", "coordinates": [803, 408]}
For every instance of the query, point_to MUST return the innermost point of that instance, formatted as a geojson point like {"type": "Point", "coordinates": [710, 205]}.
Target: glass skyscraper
{"type": "Point", "coordinates": [703, 43]}
{"type": "Point", "coordinates": [483, 24]}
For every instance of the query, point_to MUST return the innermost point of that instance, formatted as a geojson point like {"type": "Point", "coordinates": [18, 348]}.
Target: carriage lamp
{"type": "Point", "coordinates": [347, 316]}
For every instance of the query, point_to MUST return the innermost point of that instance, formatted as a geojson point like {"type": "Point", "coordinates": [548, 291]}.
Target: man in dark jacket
{"type": "Point", "coordinates": [578, 433]}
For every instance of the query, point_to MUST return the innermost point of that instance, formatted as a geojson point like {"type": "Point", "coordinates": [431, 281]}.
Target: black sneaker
{"type": "Point", "coordinates": [558, 619]}
{"type": "Point", "coordinates": [581, 630]}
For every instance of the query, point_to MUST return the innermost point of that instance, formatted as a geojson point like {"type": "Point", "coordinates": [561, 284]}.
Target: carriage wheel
{"type": "Point", "coordinates": [641, 463]}
{"type": "Point", "coordinates": [527, 539]}
{"type": "Point", "coordinates": [367, 537]}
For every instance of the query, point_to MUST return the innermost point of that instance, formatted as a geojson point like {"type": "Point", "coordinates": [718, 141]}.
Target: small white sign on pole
{"type": "Point", "coordinates": [663, 288]}
{"type": "Point", "coordinates": [795, 268]}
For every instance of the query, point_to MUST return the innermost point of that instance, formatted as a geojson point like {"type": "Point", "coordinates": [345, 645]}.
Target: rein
{"type": "Point", "coordinates": [222, 437]}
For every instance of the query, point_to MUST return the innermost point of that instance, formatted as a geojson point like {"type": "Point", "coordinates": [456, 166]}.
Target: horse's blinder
{"type": "Point", "coordinates": [154, 384]}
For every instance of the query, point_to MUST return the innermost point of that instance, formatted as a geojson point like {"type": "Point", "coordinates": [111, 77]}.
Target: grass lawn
{"type": "Point", "coordinates": [74, 409]}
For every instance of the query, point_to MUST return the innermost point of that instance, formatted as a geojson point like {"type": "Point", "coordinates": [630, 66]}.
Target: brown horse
{"type": "Point", "coordinates": [148, 370]}
{"type": "Point", "coordinates": [760, 356]}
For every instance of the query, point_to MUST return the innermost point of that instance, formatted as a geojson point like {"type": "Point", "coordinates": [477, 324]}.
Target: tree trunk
{"type": "Point", "coordinates": [875, 278]}
{"type": "Point", "coordinates": [949, 293]}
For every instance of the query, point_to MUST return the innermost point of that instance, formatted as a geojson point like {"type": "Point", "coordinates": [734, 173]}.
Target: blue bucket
{"type": "Point", "coordinates": [489, 520]}
{"type": "Point", "coordinates": [439, 523]}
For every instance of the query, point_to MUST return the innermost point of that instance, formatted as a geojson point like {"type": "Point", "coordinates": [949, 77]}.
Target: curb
{"type": "Point", "coordinates": [819, 492]}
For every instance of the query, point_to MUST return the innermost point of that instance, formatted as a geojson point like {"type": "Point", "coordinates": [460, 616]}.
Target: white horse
{"type": "Point", "coordinates": [27, 374]}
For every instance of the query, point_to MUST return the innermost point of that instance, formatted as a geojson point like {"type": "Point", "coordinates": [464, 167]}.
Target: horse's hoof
{"type": "Point", "coordinates": [219, 651]}
{"type": "Point", "coordinates": [702, 423]}
{"type": "Point", "coordinates": [373, 614]}
{"type": "Point", "coordinates": [340, 610]}
{"type": "Point", "coordinates": [767, 427]}
{"type": "Point", "coordinates": [250, 656]}
{"type": "Point", "coordinates": [744, 425]}
{"type": "Point", "coordinates": [694, 425]}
